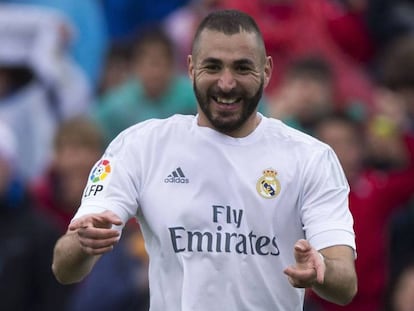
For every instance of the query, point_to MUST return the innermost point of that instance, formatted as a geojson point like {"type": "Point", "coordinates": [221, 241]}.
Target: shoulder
{"type": "Point", "coordinates": [306, 151]}
{"type": "Point", "coordinates": [276, 129]}
{"type": "Point", "coordinates": [176, 121]}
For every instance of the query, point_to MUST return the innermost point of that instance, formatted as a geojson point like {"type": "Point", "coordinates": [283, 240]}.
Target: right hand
{"type": "Point", "coordinates": [95, 232]}
{"type": "Point", "coordinates": [309, 268]}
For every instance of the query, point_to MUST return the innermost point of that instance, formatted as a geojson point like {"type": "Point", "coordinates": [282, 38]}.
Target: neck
{"type": "Point", "coordinates": [246, 129]}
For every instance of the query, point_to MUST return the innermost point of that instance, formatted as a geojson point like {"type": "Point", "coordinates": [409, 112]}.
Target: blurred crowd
{"type": "Point", "coordinates": [74, 74]}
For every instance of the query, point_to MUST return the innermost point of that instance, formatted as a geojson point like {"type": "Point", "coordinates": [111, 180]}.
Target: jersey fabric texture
{"type": "Point", "coordinates": [220, 215]}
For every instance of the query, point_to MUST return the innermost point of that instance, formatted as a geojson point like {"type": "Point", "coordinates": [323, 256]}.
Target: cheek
{"type": "Point", "coordinates": [250, 86]}
{"type": "Point", "coordinates": [203, 82]}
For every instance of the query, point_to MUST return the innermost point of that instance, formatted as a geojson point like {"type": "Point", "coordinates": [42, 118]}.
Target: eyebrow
{"type": "Point", "coordinates": [211, 60]}
{"type": "Point", "coordinates": [243, 61]}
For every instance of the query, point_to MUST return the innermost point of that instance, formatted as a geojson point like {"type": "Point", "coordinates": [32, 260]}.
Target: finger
{"type": "Point", "coordinates": [301, 278]}
{"type": "Point", "coordinates": [303, 254]}
{"type": "Point", "coordinates": [96, 244]}
{"type": "Point", "coordinates": [302, 246]}
{"type": "Point", "coordinates": [73, 226]}
{"type": "Point", "coordinates": [111, 217]}
{"type": "Point", "coordinates": [97, 233]}
{"type": "Point", "coordinates": [102, 220]}
{"type": "Point", "coordinates": [294, 283]}
{"type": "Point", "coordinates": [302, 274]}
{"type": "Point", "coordinates": [77, 224]}
{"type": "Point", "coordinates": [97, 251]}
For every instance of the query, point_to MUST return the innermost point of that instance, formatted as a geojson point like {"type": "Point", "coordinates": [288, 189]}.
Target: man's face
{"type": "Point", "coordinates": [346, 141]}
{"type": "Point", "coordinates": [229, 74]}
{"type": "Point", "coordinates": [154, 68]}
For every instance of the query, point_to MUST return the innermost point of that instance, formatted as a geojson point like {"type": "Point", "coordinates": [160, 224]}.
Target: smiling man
{"type": "Point", "coordinates": [263, 212]}
{"type": "Point", "coordinates": [229, 71]}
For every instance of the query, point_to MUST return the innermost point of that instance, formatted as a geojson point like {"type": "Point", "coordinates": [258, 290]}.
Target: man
{"type": "Point", "coordinates": [155, 89]}
{"type": "Point", "coordinates": [78, 143]}
{"type": "Point", "coordinates": [227, 199]}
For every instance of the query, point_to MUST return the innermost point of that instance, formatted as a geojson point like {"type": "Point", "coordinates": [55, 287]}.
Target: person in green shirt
{"type": "Point", "coordinates": [156, 89]}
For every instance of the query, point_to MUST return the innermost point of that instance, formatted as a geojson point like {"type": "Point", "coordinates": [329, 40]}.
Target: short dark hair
{"type": "Point", "coordinates": [228, 22]}
{"type": "Point", "coordinates": [312, 66]}
{"type": "Point", "coordinates": [342, 117]}
{"type": "Point", "coordinates": [398, 64]}
{"type": "Point", "coordinates": [150, 35]}
{"type": "Point", "coordinates": [79, 131]}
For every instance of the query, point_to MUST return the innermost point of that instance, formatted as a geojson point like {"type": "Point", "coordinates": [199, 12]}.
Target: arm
{"type": "Point", "coordinates": [87, 238]}
{"type": "Point", "coordinates": [330, 272]}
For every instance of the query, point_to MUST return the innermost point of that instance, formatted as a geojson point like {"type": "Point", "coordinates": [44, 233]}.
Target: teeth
{"type": "Point", "coordinates": [226, 100]}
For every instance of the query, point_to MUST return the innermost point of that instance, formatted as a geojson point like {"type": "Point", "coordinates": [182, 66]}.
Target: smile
{"type": "Point", "coordinates": [227, 101]}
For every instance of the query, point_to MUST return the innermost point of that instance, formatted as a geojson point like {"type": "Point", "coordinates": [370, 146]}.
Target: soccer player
{"type": "Point", "coordinates": [238, 211]}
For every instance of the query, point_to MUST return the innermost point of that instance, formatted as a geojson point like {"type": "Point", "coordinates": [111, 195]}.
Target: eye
{"type": "Point", "coordinates": [212, 67]}
{"type": "Point", "coordinates": [242, 69]}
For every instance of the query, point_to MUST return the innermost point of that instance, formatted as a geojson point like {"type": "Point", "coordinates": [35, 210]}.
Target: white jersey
{"type": "Point", "coordinates": [220, 215]}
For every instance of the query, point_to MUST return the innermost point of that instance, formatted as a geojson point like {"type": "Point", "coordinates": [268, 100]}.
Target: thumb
{"type": "Point", "coordinates": [302, 249]}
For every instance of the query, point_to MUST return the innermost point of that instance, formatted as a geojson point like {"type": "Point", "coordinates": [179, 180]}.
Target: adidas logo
{"type": "Point", "coordinates": [177, 176]}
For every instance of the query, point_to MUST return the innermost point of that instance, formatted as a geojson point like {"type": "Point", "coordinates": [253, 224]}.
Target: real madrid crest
{"type": "Point", "coordinates": [268, 186]}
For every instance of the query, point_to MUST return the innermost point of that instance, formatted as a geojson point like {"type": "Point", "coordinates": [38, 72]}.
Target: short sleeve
{"type": "Point", "coordinates": [326, 218]}
{"type": "Point", "coordinates": [113, 183]}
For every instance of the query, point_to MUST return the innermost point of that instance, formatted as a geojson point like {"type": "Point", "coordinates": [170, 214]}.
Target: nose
{"type": "Point", "coordinates": [226, 81]}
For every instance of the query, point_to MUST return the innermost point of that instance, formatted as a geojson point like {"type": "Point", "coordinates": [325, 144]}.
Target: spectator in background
{"type": "Point", "coordinates": [116, 68]}
{"type": "Point", "coordinates": [40, 85]}
{"type": "Point", "coordinates": [78, 144]}
{"type": "Point", "coordinates": [401, 291]}
{"type": "Point", "coordinates": [388, 20]}
{"type": "Point", "coordinates": [26, 242]}
{"type": "Point", "coordinates": [89, 37]}
{"type": "Point", "coordinates": [297, 28]}
{"type": "Point", "coordinates": [182, 23]}
{"type": "Point", "coordinates": [156, 89]}
{"type": "Point", "coordinates": [305, 95]}
{"type": "Point", "coordinates": [374, 198]}
{"type": "Point", "coordinates": [396, 71]}
{"type": "Point", "coordinates": [385, 150]}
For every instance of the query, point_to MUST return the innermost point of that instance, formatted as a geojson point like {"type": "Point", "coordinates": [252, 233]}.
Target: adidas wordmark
{"type": "Point", "coordinates": [177, 176]}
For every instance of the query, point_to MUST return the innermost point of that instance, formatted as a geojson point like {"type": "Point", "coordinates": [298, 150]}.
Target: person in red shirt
{"type": "Point", "coordinates": [375, 195]}
{"type": "Point", "coordinates": [78, 144]}
{"type": "Point", "coordinates": [329, 29]}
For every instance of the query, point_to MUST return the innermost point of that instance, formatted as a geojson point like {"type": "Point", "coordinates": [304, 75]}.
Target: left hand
{"type": "Point", "coordinates": [95, 233]}
{"type": "Point", "coordinates": [309, 268]}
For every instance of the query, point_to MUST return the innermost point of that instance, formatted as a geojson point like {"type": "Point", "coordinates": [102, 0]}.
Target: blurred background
{"type": "Point", "coordinates": [74, 74]}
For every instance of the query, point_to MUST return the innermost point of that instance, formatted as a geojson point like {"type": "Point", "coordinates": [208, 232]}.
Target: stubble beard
{"type": "Point", "coordinates": [223, 121]}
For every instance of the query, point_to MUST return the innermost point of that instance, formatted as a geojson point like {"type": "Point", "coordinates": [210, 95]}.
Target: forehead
{"type": "Point", "coordinates": [242, 45]}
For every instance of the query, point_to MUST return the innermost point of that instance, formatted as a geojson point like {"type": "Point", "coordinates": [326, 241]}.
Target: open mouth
{"type": "Point", "coordinates": [227, 101]}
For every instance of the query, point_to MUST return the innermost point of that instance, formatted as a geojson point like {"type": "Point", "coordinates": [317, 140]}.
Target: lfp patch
{"type": "Point", "coordinates": [101, 170]}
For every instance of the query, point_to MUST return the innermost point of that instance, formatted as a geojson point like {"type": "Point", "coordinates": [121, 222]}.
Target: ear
{"type": "Point", "coordinates": [268, 69]}
{"type": "Point", "coordinates": [190, 65]}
